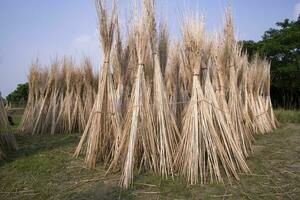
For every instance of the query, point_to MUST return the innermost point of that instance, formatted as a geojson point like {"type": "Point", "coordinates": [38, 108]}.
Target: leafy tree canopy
{"type": "Point", "coordinates": [19, 95]}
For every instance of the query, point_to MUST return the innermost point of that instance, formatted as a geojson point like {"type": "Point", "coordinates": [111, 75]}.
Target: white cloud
{"type": "Point", "coordinates": [297, 10]}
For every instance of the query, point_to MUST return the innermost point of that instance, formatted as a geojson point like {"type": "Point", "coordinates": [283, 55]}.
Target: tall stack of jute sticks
{"type": "Point", "coordinates": [7, 138]}
{"type": "Point", "coordinates": [60, 97]}
{"type": "Point", "coordinates": [188, 106]}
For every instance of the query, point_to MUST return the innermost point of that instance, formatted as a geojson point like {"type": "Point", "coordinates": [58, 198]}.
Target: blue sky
{"type": "Point", "coordinates": [50, 28]}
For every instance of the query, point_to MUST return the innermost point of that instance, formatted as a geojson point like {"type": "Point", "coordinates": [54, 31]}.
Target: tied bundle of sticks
{"type": "Point", "coordinates": [199, 124]}
{"type": "Point", "coordinates": [191, 108]}
{"type": "Point", "coordinates": [150, 136]}
{"type": "Point", "coordinates": [259, 98]}
{"type": "Point", "coordinates": [60, 99]}
{"type": "Point", "coordinates": [207, 145]}
{"type": "Point", "coordinates": [167, 133]}
{"type": "Point", "coordinates": [103, 130]}
{"type": "Point", "coordinates": [138, 144]}
{"type": "Point", "coordinates": [7, 138]}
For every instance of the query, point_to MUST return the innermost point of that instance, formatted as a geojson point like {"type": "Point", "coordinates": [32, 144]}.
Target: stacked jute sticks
{"type": "Point", "coordinates": [60, 97]}
{"type": "Point", "coordinates": [7, 138]}
{"type": "Point", "coordinates": [190, 108]}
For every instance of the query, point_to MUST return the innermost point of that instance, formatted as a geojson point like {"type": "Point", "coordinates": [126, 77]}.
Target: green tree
{"type": "Point", "coordinates": [19, 95]}
{"type": "Point", "coordinates": [281, 45]}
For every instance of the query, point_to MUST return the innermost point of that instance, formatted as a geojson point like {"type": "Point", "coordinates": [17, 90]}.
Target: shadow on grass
{"type": "Point", "coordinates": [34, 144]}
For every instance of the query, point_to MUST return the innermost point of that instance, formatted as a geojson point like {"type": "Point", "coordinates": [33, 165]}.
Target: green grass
{"type": "Point", "coordinates": [43, 168]}
{"type": "Point", "coordinates": [287, 116]}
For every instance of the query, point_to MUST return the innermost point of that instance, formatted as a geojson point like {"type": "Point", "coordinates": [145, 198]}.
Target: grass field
{"type": "Point", "coordinates": [288, 116]}
{"type": "Point", "coordinates": [43, 168]}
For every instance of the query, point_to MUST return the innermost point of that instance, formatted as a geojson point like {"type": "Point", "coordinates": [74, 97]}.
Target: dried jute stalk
{"type": "Point", "coordinates": [103, 127]}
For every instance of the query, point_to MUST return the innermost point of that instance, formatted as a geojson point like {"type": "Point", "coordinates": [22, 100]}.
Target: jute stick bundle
{"type": "Point", "coordinates": [7, 138]}
{"type": "Point", "coordinates": [165, 121]}
{"type": "Point", "coordinates": [60, 100]}
{"type": "Point", "coordinates": [190, 108]}
{"type": "Point", "coordinates": [203, 150]}
{"type": "Point", "coordinates": [139, 145]}
{"type": "Point", "coordinates": [103, 129]}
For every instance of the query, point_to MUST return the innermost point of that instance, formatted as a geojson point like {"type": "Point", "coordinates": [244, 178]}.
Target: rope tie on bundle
{"type": "Point", "coordinates": [142, 65]}
{"type": "Point", "coordinates": [184, 102]}
{"type": "Point", "coordinates": [262, 113]}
